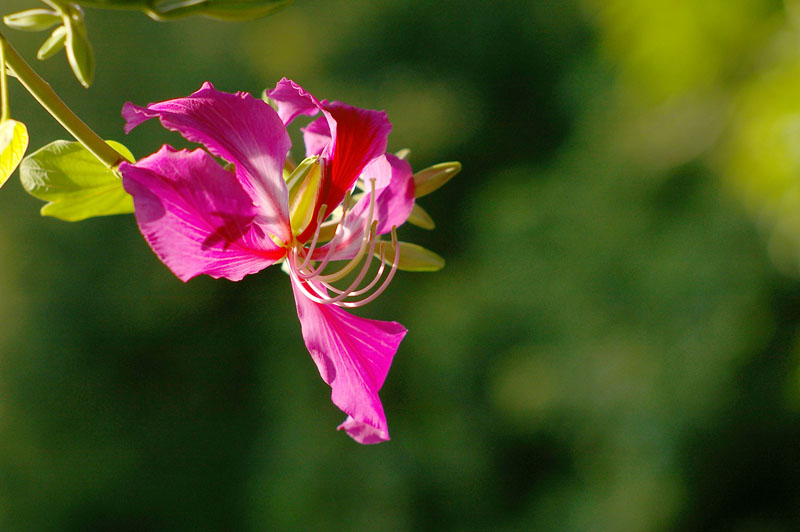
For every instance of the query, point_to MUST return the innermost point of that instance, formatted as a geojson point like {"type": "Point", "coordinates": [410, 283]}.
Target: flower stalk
{"type": "Point", "coordinates": [4, 107]}
{"type": "Point", "coordinates": [47, 98]}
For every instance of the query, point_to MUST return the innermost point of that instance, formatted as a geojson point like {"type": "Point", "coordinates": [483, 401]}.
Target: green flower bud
{"type": "Point", "coordinates": [32, 20]}
{"type": "Point", "coordinates": [413, 258]}
{"type": "Point", "coordinates": [53, 44]}
{"type": "Point", "coordinates": [433, 177]}
{"type": "Point", "coordinates": [79, 50]}
{"type": "Point", "coordinates": [420, 218]}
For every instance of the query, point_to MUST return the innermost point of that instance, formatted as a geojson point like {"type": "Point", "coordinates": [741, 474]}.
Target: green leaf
{"type": "Point", "coordinates": [413, 258]}
{"type": "Point", "coordinates": [13, 143]}
{"type": "Point", "coordinates": [76, 184]}
{"type": "Point", "coordinates": [171, 9]}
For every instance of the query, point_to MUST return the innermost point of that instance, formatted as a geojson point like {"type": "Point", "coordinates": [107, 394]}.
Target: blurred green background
{"type": "Point", "coordinates": [613, 345]}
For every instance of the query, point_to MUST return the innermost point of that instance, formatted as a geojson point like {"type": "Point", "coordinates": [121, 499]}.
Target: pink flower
{"type": "Point", "coordinates": [202, 218]}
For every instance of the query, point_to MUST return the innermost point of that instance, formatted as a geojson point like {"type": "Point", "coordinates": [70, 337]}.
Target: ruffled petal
{"type": "Point", "coordinates": [394, 199]}
{"type": "Point", "coordinates": [361, 432]}
{"type": "Point", "coordinates": [196, 216]}
{"type": "Point", "coordinates": [293, 100]}
{"type": "Point", "coordinates": [353, 356]}
{"type": "Point", "coordinates": [242, 130]}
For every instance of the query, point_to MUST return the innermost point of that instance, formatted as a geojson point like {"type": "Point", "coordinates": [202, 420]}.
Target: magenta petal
{"type": "Point", "coordinates": [317, 136]}
{"type": "Point", "coordinates": [293, 100]}
{"type": "Point", "coordinates": [353, 356]}
{"type": "Point", "coordinates": [242, 130]}
{"type": "Point", "coordinates": [196, 216]}
{"type": "Point", "coordinates": [395, 199]}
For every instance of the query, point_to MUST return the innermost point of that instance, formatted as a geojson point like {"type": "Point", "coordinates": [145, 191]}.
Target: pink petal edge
{"type": "Point", "coordinates": [242, 130]}
{"type": "Point", "coordinates": [353, 355]}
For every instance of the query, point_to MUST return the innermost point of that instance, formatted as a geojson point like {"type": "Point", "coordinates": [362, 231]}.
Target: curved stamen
{"type": "Point", "coordinates": [311, 292]}
{"type": "Point", "coordinates": [332, 243]}
{"type": "Point", "coordinates": [325, 261]}
{"type": "Point", "coordinates": [316, 236]}
{"type": "Point", "coordinates": [385, 284]}
{"type": "Point", "coordinates": [319, 291]}
{"type": "Point", "coordinates": [364, 269]}
{"type": "Point", "coordinates": [347, 268]}
{"type": "Point", "coordinates": [372, 283]}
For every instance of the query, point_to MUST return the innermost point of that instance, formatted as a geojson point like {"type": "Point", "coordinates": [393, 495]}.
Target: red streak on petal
{"type": "Point", "coordinates": [360, 137]}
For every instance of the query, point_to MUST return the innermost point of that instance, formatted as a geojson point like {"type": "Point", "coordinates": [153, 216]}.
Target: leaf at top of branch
{"type": "Point", "coordinates": [172, 9]}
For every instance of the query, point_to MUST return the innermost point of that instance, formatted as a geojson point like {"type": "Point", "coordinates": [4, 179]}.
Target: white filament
{"type": "Point", "coordinates": [318, 285]}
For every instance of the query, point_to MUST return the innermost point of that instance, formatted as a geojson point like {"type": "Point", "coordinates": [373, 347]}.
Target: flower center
{"type": "Point", "coordinates": [311, 273]}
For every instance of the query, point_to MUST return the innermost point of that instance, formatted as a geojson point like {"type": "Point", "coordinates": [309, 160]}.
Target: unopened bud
{"type": "Point", "coordinates": [420, 218]}
{"type": "Point", "coordinates": [433, 177]}
{"type": "Point", "coordinates": [32, 20]}
{"type": "Point", "coordinates": [402, 154]}
{"type": "Point", "coordinates": [53, 44]}
{"type": "Point", "coordinates": [413, 258]}
{"type": "Point", "coordinates": [79, 51]}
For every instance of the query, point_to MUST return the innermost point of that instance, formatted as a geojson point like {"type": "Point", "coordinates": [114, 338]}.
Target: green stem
{"type": "Point", "coordinates": [47, 98]}
{"type": "Point", "coordinates": [4, 107]}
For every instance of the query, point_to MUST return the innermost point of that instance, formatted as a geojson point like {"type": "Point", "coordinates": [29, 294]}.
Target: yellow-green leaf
{"type": "Point", "coordinates": [13, 143]}
{"type": "Point", "coordinates": [76, 184]}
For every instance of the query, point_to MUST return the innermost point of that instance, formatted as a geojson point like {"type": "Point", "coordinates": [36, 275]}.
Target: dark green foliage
{"type": "Point", "coordinates": [608, 347]}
